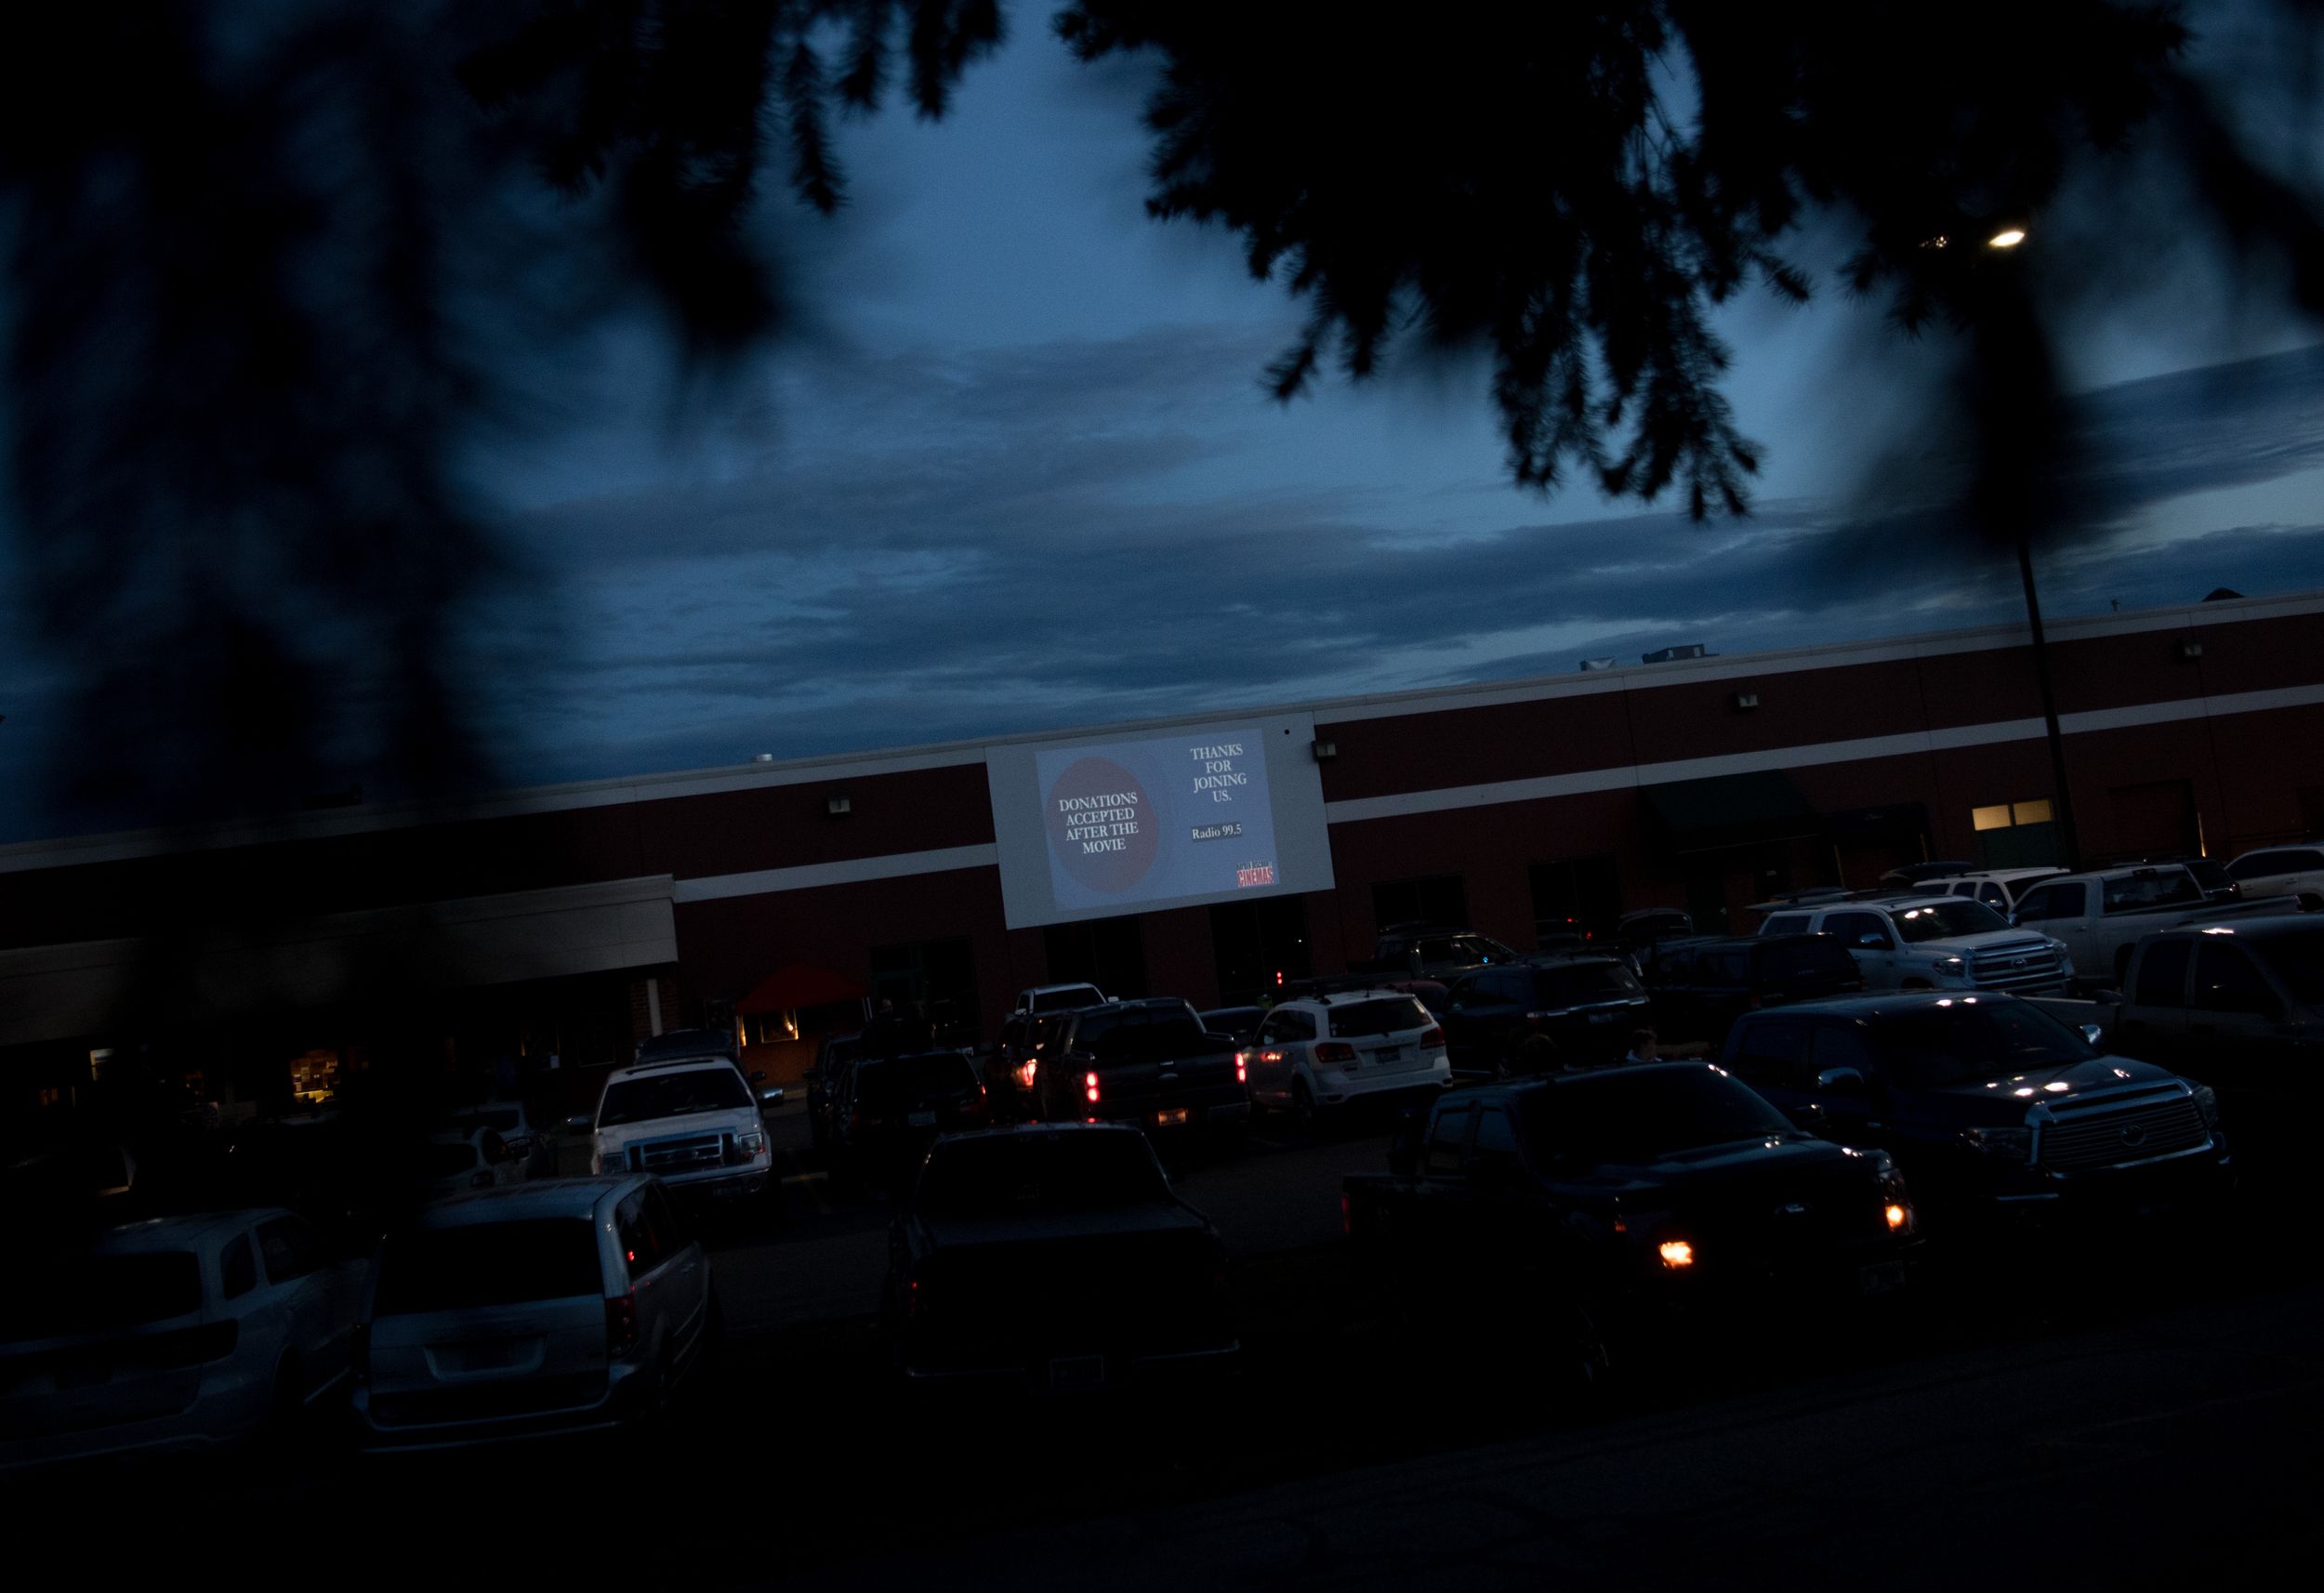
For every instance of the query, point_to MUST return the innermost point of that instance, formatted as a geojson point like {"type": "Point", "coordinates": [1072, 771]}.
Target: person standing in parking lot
{"type": "Point", "coordinates": [1643, 1043]}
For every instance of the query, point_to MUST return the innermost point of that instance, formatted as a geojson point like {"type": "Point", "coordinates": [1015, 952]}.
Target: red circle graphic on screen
{"type": "Point", "coordinates": [1102, 825]}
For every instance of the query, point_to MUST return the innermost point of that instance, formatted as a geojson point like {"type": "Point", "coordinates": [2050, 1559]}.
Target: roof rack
{"type": "Point", "coordinates": [1348, 983]}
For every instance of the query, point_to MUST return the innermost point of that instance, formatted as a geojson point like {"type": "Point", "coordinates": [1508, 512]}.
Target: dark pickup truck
{"type": "Point", "coordinates": [1551, 1012]}
{"type": "Point", "coordinates": [1432, 952]}
{"type": "Point", "coordinates": [1615, 1198]}
{"type": "Point", "coordinates": [1987, 1102]}
{"type": "Point", "coordinates": [1147, 1063]}
{"type": "Point", "coordinates": [1056, 1254]}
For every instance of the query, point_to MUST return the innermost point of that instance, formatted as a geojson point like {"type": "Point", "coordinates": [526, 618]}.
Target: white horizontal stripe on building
{"type": "Point", "coordinates": [848, 871]}
{"type": "Point", "coordinates": [1446, 798]}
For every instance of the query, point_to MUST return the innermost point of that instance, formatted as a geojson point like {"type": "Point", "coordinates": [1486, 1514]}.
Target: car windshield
{"type": "Point", "coordinates": [1966, 1041]}
{"type": "Point", "coordinates": [446, 1161]}
{"type": "Point", "coordinates": [1636, 1114]}
{"type": "Point", "coordinates": [502, 1119]}
{"type": "Point", "coordinates": [2298, 960]}
{"type": "Point", "coordinates": [896, 1083]}
{"type": "Point", "coordinates": [1574, 983]}
{"type": "Point", "coordinates": [487, 1264]}
{"type": "Point", "coordinates": [1947, 918]}
{"type": "Point", "coordinates": [672, 1095]}
{"type": "Point", "coordinates": [1044, 1173]}
{"type": "Point", "coordinates": [1810, 954]}
{"type": "Point", "coordinates": [1388, 1015]}
{"type": "Point", "coordinates": [1150, 1035]}
{"type": "Point", "coordinates": [1064, 1000]}
{"type": "Point", "coordinates": [95, 1294]}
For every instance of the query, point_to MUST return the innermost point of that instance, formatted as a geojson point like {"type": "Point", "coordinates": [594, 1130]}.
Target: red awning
{"type": "Point", "coordinates": [799, 985]}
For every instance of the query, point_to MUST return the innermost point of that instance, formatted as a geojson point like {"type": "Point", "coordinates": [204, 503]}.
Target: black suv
{"type": "Point", "coordinates": [1987, 1102]}
{"type": "Point", "coordinates": [1585, 1007]}
{"type": "Point", "coordinates": [1701, 987]}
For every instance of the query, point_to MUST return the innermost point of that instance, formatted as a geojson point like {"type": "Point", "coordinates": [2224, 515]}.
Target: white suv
{"type": "Point", "coordinates": [692, 1122]}
{"type": "Point", "coordinates": [1323, 1051]}
{"type": "Point", "coordinates": [2000, 888]}
{"type": "Point", "coordinates": [2279, 871]}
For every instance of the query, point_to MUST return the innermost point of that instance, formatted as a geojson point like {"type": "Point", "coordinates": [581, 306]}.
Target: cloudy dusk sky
{"type": "Point", "coordinates": [1019, 473]}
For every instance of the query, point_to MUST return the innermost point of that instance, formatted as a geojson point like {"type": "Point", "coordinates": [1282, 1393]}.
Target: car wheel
{"type": "Point", "coordinates": [1304, 1110]}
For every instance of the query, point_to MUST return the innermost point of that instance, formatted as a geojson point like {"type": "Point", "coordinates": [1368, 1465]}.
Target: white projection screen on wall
{"type": "Point", "coordinates": [1216, 811]}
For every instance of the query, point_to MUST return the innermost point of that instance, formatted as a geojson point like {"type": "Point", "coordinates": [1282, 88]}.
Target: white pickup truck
{"type": "Point", "coordinates": [2101, 915]}
{"type": "Point", "coordinates": [1932, 943]}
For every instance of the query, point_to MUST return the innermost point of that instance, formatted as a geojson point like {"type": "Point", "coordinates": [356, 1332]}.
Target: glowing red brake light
{"type": "Point", "coordinates": [1333, 1053]}
{"type": "Point", "coordinates": [1090, 1088]}
{"type": "Point", "coordinates": [1242, 1067]}
{"type": "Point", "coordinates": [1433, 1037]}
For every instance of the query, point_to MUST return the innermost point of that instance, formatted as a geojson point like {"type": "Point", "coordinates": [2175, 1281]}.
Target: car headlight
{"type": "Point", "coordinates": [2065, 954]}
{"type": "Point", "coordinates": [2000, 1144]}
{"type": "Point", "coordinates": [2206, 1102]}
{"type": "Point", "coordinates": [612, 1162]}
{"type": "Point", "coordinates": [1952, 967]}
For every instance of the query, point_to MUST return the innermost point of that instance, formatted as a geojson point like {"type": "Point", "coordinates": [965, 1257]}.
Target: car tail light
{"type": "Point", "coordinates": [1242, 1067]}
{"type": "Point", "coordinates": [914, 1301]}
{"type": "Point", "coordinates": [1334, 1053]}
{"type": "Point", "coordinates": [1090, 1088]}
{"type": "Point", "coordinates": [1433, 1037]}
{"type": "Point", "coordinates": [621, 1325]}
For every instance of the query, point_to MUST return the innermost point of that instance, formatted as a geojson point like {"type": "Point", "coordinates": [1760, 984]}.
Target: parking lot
{"type": "Point", "coordinates": [2126, 1407]}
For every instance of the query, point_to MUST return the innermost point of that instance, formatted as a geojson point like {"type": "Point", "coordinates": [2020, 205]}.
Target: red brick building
{"type": "Point", "coordinates": [571, 920]}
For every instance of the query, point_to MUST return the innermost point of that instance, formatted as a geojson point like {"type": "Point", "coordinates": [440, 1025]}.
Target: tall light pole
{"type": "Point", "coordinates": [2021, 439]}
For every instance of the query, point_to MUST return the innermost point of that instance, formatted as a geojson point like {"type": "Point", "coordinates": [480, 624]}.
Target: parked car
{"type": "Point", "coordinates": [570, 1304]}
{"type": "Point", "coordinates": [1016, 1060]}
{"type": "Point", "coordinates": [2000, 888]}
{"type": "Point", "coordinates": [2099, 917]}
{"type": "Point", "coordinates": [1240, 1024]}
{"type": "Point", "coordinates": [528, 1140]}
{"type": "Point", "coordinates": [1150, 1062]}
{"type": "Point", "coordinates": [2241, 1005]}
{"type": "Point", "coordinates": [674, 1043]}
{"type": "Point", "coordinates": [1934, 943]}
{"type": "Point", "coordinates": [833, 1052]}
{"type": "Point", "coordinates": [1432, 951]}
{"type": "Point", "coordinates": [175, 1333]}
{"type": "Point", "coordinates": [1905, 875]}
{"type": "Point", "coordinates": [2208, 872]}
{"type": "Point", "coordinates": [1055, 1254]}
{"type": "Point", "coordinates": [2280, 870]}
{"type": "Point", "coordinates": [461, 1159]}
{"type": "Point", "coordinates": [896, 1106]}
{"type": "Point", "coordinates": [1636, 934]}
{"type": "Point", "coordinates": [1588, 1203]}
{"type": "Point", "coordinates": [1329, 1051]}
{"type": "Point", "coordinates": [1042, 999]}
{"type": "Point", "coordinates": [1700, 987]}
{"type": "Point", "coordinates": [1987, 1102]}
{"type": "Point", "coordinates": [694, 1122]}
{"type": "Point", "coordinates": [1560, 1011]}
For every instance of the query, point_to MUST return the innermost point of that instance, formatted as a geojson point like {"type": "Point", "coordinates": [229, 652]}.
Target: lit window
{"type": "Point", "coordinates": [2004, 815]}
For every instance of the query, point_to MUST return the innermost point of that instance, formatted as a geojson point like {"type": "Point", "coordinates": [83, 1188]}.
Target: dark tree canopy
{"type": "Point", "coordinates": [1575, 186]}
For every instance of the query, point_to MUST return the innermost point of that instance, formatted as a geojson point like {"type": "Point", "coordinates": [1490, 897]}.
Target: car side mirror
{"type": "Point", "coordinates": [1841, 1081]}
{"type": "Point", "coordinates": [1809, 1117]}
{"type": "Point", "coordinates": [1873, 942]}
{"type": "Point", "coordinates": [768, 1096]}
{"type": "Point", "coordinates": [758, 1076]}
{"type": "Point", "coordinates": [2092, 1032]}
{"type": "Point", "coordinates": [579, 1122]}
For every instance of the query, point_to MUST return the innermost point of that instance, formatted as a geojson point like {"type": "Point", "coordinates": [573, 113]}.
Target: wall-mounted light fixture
{"type": "Point", "coordinates": [1746, 701]}
{"type": "Point", "coordinates": [2190, 648]}
{"type": "Point", "coordinates": [1325, 749]}
{"type": "Point", "coordinates": [837, 807]}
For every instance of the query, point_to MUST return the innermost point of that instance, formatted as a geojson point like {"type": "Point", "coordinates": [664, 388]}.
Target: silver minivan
{"type": "Point", "coordinates": [561, 1306]}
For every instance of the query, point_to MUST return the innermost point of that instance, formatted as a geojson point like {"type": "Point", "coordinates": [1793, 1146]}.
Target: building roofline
{"type": "Point", "coordinates": [81, 851]}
